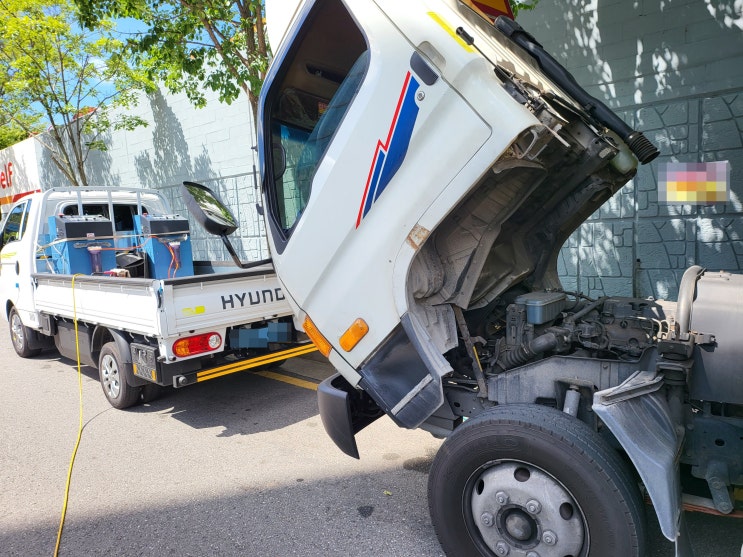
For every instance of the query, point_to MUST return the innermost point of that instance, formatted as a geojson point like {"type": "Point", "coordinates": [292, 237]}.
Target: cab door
{"type": "Point", "coordinates": [11, 233]}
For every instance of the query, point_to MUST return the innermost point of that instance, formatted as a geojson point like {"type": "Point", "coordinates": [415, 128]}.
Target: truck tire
{"type": "Point", "coordinates": [20, 335]}
{"type": "Point", "coordinates": [523, 480]}
{"type": "Point", "coordinates": [112, 371]}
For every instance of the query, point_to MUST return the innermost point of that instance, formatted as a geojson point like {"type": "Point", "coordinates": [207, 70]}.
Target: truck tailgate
{"type": "Point", "coordinates": [222, 300]}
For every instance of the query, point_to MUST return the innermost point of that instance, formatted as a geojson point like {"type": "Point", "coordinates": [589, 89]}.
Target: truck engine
{"type": "Point", "coordinates": [660, 379]}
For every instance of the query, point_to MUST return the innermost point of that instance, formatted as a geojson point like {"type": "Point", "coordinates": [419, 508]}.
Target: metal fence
{"type": "Point", "coordinates": [241, 195]}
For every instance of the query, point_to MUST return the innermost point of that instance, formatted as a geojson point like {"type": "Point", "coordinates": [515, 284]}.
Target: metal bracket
{"type": "Point", "coordinates": [637, 384]}
{"type": "Point", "coordinates": [704, 338]}
{"type": "Point", "coordinates": [476, 369]}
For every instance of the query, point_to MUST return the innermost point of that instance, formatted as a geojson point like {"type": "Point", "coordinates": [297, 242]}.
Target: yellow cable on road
{"type": "Point", "coordinates": [80, 426]}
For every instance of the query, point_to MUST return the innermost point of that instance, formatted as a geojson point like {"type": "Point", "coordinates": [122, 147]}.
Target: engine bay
{"type": "Point", "coordinates": [538, 324]}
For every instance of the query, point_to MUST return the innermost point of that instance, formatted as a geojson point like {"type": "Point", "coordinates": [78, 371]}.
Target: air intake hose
{"type": "Point", "coordinates": [641, 146]}
{"type": "Point", "coordinates": [525, 352]}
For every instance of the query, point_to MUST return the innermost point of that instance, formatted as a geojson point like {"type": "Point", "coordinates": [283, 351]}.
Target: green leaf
{"type": "Point", "coordinates": [187, 46]}
{"type": "Point", "coordinates": [56, 76]}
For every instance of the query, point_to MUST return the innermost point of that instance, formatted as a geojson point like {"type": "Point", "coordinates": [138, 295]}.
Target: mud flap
{"type": "Point", "coordinates": [404, 375]}
{"type": "Point", "coordinates": [402, 379]}
{"type": "Point", "coordinates": [637, 414]}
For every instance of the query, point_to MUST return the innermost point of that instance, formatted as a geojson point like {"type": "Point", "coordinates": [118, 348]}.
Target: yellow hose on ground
{"type": "Point", "coordinates": [80, 426]}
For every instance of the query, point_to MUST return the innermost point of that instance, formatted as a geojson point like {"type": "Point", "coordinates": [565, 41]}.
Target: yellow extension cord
{"type": "Point", "coordinates": [80, 426]}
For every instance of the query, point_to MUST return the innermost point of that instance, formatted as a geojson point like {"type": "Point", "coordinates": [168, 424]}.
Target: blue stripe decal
{"type": "Point", "coordinates": [389, 156]}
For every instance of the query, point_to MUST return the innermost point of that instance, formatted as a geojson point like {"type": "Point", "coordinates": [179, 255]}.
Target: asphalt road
{"type": "Point", "coordinates": [237, 466]}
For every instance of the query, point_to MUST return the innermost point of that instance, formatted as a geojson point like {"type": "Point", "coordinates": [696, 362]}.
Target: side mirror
{"type": "Point", "coordinates": [216, 219]}
{"type": "Point", "coordinates": [208, 211]}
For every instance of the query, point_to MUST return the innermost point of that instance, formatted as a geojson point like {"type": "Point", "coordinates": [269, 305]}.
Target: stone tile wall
{"type": "Point", "coordinates": [673, 69]}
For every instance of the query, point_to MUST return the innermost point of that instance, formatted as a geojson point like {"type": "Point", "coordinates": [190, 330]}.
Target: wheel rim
{"type": "Point", "coordinates": [110, 376]}
{"type": "Point", "coordinates": [519, 510]}
{"type": "Point", "coordinates": [16, 332]}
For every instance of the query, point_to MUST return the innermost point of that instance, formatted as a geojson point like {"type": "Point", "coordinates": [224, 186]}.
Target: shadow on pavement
{"type": "Point", "coordinates": [351, 516]}
{"type": "Point", "coordinates": [243, 404]}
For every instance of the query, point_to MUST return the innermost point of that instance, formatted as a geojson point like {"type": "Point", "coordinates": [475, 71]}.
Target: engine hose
{"type": "Point", "coordinates": [586, 310]}
{"type": "Point", "coordinates": [526, 352]}
{"type": "Point", "coordinates": [641, 146]}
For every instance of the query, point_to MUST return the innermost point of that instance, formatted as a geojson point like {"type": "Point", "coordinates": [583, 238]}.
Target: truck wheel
{"type": "Point", "coordinates": [19, 335]}
{"type": "Point", "coordinates": [111, 369]}
{"type": "Point", "coordinates": [525, 480]}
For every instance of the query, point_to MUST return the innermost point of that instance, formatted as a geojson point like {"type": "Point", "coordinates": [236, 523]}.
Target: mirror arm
{"type": "Point", "coordinates": [236, 258]}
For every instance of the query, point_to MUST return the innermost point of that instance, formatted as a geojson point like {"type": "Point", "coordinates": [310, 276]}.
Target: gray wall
{"type": "Point", "coordinates": [674, 69]}
{"type": "Point", "coordinates": [212, 145]}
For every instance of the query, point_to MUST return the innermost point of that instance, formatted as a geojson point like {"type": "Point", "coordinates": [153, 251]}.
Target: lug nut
{"type": "Point", "coordinates": [502, 549]}
{"type": "Point", "coordinates": [533, 506]}
{"type": "Point", "coordinates": [549, 537]}
{"type": "Point", "coordinates": [532, 554]}
{"type": "Point", "coordinates": [502, 497]}
{"type": "Point", "coordinates": [487, 519]}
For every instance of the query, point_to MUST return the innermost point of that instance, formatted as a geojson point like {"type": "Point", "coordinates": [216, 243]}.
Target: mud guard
{"type": "Point", "coordinates": [344, 412]}
{"type": "Point", "coordinates": [402, 379]}
{"type": "Point", "coordinates": [122, 343]}
{"type": "Point", "coordinates": [404, 375]}
{"type": "Point", "coordinates": [637, 413]}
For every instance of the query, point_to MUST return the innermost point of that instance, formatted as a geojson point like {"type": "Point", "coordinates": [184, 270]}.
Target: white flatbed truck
{"type": "Point", "coordinates": [106, 276]}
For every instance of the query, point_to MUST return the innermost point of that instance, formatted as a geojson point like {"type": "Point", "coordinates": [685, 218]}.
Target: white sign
{"type": "Point", "coordinates": [19, 171]}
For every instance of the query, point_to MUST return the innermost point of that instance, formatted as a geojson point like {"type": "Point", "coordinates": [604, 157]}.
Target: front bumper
{"type": "Point", "coordinates": [345, 411]}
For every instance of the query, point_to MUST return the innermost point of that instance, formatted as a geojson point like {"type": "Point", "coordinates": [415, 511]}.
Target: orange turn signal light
{"type": "Point", "coordinates": [354, 334]}
{"type": "Point", "coordinates": [316, 336]}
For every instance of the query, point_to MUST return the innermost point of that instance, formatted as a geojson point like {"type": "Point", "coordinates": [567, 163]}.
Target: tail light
{"type": "Point", "coordinates": [191, 346]}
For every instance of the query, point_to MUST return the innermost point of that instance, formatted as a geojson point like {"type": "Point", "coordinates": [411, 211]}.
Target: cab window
{"type": "Point", "coordinates": [14, 225]}
{"type": "Point", "coordinates": [315, 85]}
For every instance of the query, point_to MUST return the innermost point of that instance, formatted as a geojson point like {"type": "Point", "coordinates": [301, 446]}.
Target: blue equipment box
{"type": "Point", "coordinates": [72, 236]}
{"type": "Point", "coordinates": [166, 245]}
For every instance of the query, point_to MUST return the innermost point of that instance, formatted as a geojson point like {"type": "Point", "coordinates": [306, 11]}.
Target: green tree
{"type": "Point", "coordinates": [522, 6]}
{"type": "Point", "coordinates": [73, 82]}
{"type": "Point", "coordinates": [190, 44]}
{"type": "Point", "coordinates": [10, 134]}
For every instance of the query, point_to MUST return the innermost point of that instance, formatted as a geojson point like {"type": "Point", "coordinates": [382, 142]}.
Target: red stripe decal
{"type": "Point", "coordinates": [382, 146]}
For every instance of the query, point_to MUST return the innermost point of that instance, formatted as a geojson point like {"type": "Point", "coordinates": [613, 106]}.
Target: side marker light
{"type": "Point", "coordinates": [354, 334]}
{"type": "Point", "coordinates": [316, 337]}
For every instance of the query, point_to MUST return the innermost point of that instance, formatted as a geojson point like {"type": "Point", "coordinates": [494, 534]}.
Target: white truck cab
{"type": "Point", "coordinates": [14, 227]}
{"type": "Point", "coordinates": [422, 166]}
